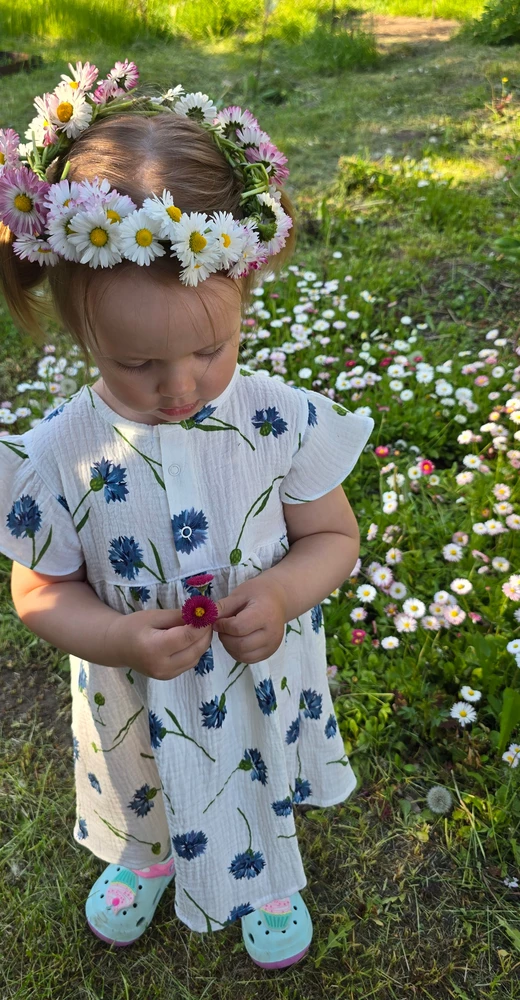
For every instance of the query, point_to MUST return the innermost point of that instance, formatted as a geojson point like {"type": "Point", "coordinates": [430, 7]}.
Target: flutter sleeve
{"type": "Point", "coordinates": [36, 527]}
{"type": "Point", "coordinates": [329, 442]}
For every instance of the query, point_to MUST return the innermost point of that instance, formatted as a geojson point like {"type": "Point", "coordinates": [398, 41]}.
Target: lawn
{"type": "Point", "coordinates": [402, 175]}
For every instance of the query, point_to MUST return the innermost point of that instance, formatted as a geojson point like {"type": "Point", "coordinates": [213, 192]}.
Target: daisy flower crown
{"type": "Point", "coordinates": [91, 223]}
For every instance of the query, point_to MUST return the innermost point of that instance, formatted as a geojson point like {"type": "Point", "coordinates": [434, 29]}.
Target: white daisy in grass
{"type": "Point", "coordinates": [414, 607]}
{"type": "Point", "coordinates": [513, 522]}
{"type": "Point", "coordinates": [35, 248]}
{"type": "Point", "coordinates": [454, 615]}
{"type": "Point", "coordinates": [164, 210]}
{"type": "Point", "coordinates": [383, 577]}
{"type": "Point", "coordinates": [197, 106]}
{"type": "Point", "coordinates": [398, 590]}
{"type": "Point", "coordinates": [513, 646]}
{"type": "Point", "coordinates": [393, 556]}
{"type": "Point", "coordinates": [230, 236]}
{"type": "Point", "coordinates": [366, 593]}
{"type": "Point", "coordinates": [463, 712]}
{"type": "Point", "coordinates": [390, 642]}
{"type": "Point", "coordinates": [96, 239]}
{"type": "Point", "coordinates": [512, 759]}
{"type": "Point", "coordinates": [194, 242]}
{"type": "Point", "coordinates": [452, 552]}
{"type": "Point", "coordinates": [500, 564]}
{"type": "Point", "coordinates": [138, 238]}
{"type": "Point", "coordinates": [405, 623]}
{"type": "Point", "coordinates": [469, 694]}
{"type": "Point", "coordinates": [514, 748]}
{"type": "Point", "coordinates": [358, 614]}
{"type": "Point", "coordinates": [442, 597]}
{"type": "Point", "coordinates": [431, 623]}
{"type": "Point", "coordinates": [67, 109]}
{"type": "Point", "coordinates": [461, 586]}
{"type": "Point", "coordinates": [502, 491]}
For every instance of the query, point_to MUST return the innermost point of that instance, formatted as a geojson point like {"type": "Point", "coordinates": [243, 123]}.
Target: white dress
{"type": "Point", "coordinates": [206, 765]}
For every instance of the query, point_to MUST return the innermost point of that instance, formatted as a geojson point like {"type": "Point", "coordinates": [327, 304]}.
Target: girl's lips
{"type": "Point", "coordinates": [179, 411]}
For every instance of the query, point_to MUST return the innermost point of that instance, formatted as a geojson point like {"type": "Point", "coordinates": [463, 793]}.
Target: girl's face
{"type": "Point", "coordinates": [156, 347]}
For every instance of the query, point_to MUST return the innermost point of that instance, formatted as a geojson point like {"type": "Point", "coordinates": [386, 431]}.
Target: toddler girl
{"type": "Point", "coordinates": [177, 472]}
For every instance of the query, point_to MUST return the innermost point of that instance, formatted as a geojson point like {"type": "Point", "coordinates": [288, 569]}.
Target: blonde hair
{"type": "Point", "coordinates": [138, 155]}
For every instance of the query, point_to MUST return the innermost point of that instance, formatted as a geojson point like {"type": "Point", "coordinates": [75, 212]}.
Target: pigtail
{"type": "Point", "coordinates": [20, 284]}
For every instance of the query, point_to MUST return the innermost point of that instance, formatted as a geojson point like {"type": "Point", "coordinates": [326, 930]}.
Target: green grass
{"type": "Point", "coordinates": [401, 904]}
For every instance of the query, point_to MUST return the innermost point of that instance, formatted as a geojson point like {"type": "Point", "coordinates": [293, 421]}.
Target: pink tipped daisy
{"type": "Point", "coordinates": [199, 611]}
{"type": "Point", "coordinates": [35, 248]}
{"type": "Point", "coordinates": [125, 74]}
{"type": "Point", "coordinates": [454, 615]}
{"type": "Point", "coordinates": [252, 255]}
{"type": "Point", "coordinates": [9, 142]}
{"type": "Point", "coordinates": [22, 201]}
{"type": "Point", "coordinates": [233, 118]}
{"type": "Point", "coordinates": [273, 160]}
{"type": "Point", "coordinates": [83, 77]}
{"type": "Point", "coordinates": [200, 580]}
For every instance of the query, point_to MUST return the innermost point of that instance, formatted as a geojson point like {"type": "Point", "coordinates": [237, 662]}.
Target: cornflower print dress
{"type": "Point", "coordinates": [206, 765]}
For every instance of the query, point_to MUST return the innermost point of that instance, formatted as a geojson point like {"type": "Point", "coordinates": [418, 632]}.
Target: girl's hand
{"type": "Point", "coordinates": [255, 622]}
{"type": "Point", "coordinates": [157, 643]}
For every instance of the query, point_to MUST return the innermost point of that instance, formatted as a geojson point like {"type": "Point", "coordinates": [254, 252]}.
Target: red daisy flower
{"type": "Point", "coordinates": [199, 611]}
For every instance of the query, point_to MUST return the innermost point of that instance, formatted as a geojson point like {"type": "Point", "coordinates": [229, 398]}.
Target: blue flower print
{"type": "Point", "coordinates": [82, 678]}
{"type": "Point", "coordinates": [25, 517]}
{"type": "Point", "coordinates": [63, 502]}
{"type": "Point", "coordinates": [239, 911]}
{"type": "Point", "coordinates": [302, 790]}
{"type": "Point", "coordinates": [266, 696]}
{"type": "Point", "coordinates": [190, 845]}
{"type": "Point", "coordinates": [272, 422]}
{"type": "Point", "coordinates": [82, 832]}
{"type": "Point", "coordinates": [312, 419]}
{"type": "Point", "coordinates": [75, 748]}
{"type": "Point", "coordinates": [200, 415]}
{"type": "Point", "coordinates": [189, 530]}
{"type": "Point", "coordinates": [213, 712]}
{"type": "Point", "coordinates": [94, 782]}
{"type": "Point", "coordinates": [125, 556]}
{"type": "Point", "coordinates": [205, 664]}
{"type": "Point", "coordinates": [54, 413]}
{"type": "Point", "coordinates": [310, 701]}
{"type": "Point", "coordinates": [156, 727]}
{"type": "Point", "coordinates": [252, 761]}
{"type": "Point", "coordinates": [247, 864]}
{"type": "Point", "coordinates": [293, 731]}
{"type": "Point", "coordinates": [111, 480]}
{"type": "Point", "coordinates": [140, 594]}
{"type": "Point", "coordinates": [283, 807]}
{"type": "Point", "coordinates": [316, 617]}
{"type": "Point", "coordinates": [141, 802]}
{"type": "Point", "coordinates": [331, 727]}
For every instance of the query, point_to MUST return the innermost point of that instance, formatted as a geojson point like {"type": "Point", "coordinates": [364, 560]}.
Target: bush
{"type": "Point", "coordinates": [499, 24]}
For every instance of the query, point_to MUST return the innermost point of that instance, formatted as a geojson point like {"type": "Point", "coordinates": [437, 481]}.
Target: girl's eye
{"type": "Point", "coordinates": [139, 368]}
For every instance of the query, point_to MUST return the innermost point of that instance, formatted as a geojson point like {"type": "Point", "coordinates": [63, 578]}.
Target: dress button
{"type": "Point", "coordinates": [174, 470]}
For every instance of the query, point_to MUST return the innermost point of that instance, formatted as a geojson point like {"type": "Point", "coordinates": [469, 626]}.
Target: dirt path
{"type": "Point", "coordinates": [392, 31]}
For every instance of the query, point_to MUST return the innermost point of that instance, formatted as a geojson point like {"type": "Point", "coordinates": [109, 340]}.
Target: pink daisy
{"type": "Point", "coordinates": [272, 158]}
{"type": "Point", "coordinates": [125, 74]}
{"type": "Point", "coordinates": [21, 201]}
{"type": "Point", "coordinates": [199, 611]}
{"type": "Point", "coordinates": [9, 142]}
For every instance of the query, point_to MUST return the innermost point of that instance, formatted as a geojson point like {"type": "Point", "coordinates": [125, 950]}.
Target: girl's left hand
{"type": "Point", "coordinates": [251, 622]}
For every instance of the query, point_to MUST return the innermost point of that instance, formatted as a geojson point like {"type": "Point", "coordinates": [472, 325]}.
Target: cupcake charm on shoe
{"type": "Point", "coordinates": [122, 891]}
{"type": "Point", "coordinates": [279, 933]}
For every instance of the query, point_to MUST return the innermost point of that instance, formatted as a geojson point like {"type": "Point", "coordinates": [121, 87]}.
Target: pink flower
{"type": "Point", "coordinates": [382, 450]}
{"type": "Point", "coordinates": [453, 614]}
{"type": "Point", "coordinates": [200, 581]}
{"type": "Point", "coordinates": [481, 380]}
{"type": "Point", "coordinates": [479, 555]}
{"type": "Point", "coordinates": [9, 142]}
{"type": "Point", "coordinates": [426, 467]}
{"type": "Point", "coordinates": [199, 611]}
{"type": "Point", "coordinates": [21, 201]}
{"type": "Point", "coordinates": [125, 74]}
{"type": "Point", "coordinates": [460, 538]}
{"type": "Point", "coordinates": [332, 670]}
{"type": "Point", "coordinates": [358, 634]}
{"type": "Point", "coordinates": [474, 616]}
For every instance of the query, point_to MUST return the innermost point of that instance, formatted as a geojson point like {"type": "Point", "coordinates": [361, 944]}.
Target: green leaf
{"type": "Point", "coordinates": [514, 934]}
{"type": "Point", "coordinates": [45, 547]}
{"type": "Point", "coordinates": [509, 716]}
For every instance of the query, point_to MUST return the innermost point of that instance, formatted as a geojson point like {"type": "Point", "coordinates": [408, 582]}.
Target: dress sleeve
{"type": "Point", "coordinates": [329, 443]}
{"type": "Point", "coordinates": [36, 527]}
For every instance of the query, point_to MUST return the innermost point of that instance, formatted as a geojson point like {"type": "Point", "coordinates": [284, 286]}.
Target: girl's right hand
{"type": "Point", "coordinates": [157, 643]}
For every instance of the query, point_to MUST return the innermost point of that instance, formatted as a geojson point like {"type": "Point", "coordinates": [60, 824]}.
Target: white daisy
{"type": "Point", "coordinates": [230, 235]}
{"type": "Point", "coordinates": [461, 585]}
{"type": "Point", "coordinates": [274, 241]}
{"type": "Point", "coordinates": [398, 590]}
{"type": "Point", "coordinates": [59, 195]}
{"type": "Point", "coordinates": [193, 273]}
{"type": "Point", "coordinates": [463, 712]}
{"type": "Point", "coordinates": [252, 256]}
{"type": "Point", "coordinates": [138, 234]}
{"type": "Point", "coordinates": [165, 212]}
{"type": "Point", "coordinates": [469, 694]}
{"type": "Point", "coordinates": [118, 206]}
{"type": "Point", "coordinates": [96, 238]}
{"type": "Point", "coordinates": [358, 614]}
{"type": "Point", "coordinates": [431, 623]}
{"type": "Point", "coordinates": [366, 593]}
{"type": "Point", "coordinates": [405, 623]}
{"type": "Point", "coordinates": [382, 577]}
{"type": "Point", "coordinates": [170, 95]}
{"type": "Point", "coordinates": [512, 759]}
{"type": "Point", "coordinates": [393, 556]}
{"type": "Point", "coordinates": [452, 552]}
{"type": "Point", "coordinates": [513, 646]}
{"type": "Point", "coordinates": [58, 234]}
{"type": "Point", "coordinates": [197, 106]}
{"type": "Point", "coordinates": [502, 565]}
{"type": "Point", "coordinates": [193, 240]}
{"type": "Point", "coordinates": [67, 109]}
{"type": "Point", "coordinates": [390, 642]}
{"type": "Point", "coordinates": [35, 248]}
{"type": "Point", "coordinates": [414, 607]}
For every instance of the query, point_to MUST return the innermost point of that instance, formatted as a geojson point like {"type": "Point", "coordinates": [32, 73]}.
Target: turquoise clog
{"type": "Point", "coordinates": [121, 904]}
{"type": "Point", "coordinates": [278, 934]}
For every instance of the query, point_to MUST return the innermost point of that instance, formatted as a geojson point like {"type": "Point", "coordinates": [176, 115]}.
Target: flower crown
{"type": "Point", "coordinates": [91, 223]}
